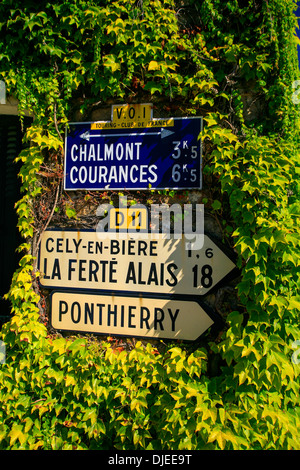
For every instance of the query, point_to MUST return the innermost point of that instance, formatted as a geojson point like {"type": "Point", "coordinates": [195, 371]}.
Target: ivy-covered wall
{"type": "Point", "coordinates": [234, 63]}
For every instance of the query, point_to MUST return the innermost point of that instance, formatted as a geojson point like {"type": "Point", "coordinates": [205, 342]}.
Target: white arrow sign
{"type": "Point", "coordinates": [163, 133]}
{"type": "Point", "coordinates": [128, 316]}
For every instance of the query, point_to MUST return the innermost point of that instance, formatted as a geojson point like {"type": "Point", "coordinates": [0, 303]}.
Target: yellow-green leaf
{"type": "Point", "coordinates": [153, 65]}
{"type": "Point", "coordinates": [17, 433]}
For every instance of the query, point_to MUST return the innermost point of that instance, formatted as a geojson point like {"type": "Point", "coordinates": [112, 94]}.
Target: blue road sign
{"type": "Point", "coordinates": [165, 154]}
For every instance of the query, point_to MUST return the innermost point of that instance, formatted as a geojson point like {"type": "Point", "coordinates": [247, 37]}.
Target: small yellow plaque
{"type": "Point", "coordinates": [128, 219]}
{"type": "Point", "coordinates": [132, 116]}
{"type": "Point", "coordinates": [136, 114]}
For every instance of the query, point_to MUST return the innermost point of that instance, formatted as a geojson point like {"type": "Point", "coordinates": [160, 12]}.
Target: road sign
{"type": "Point", "coordinates": [128, 316]}
{"type": "Point", "coordinates": [159, 154]}
{"type": "Point", "coordinates": [151, 263]}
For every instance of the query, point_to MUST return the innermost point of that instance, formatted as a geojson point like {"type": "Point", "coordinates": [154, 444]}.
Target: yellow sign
{"type": "Point", "coordinates": [132, 113]}
{"type": "Point", "coordinates": [128, 219]}
{"type": "Point", "coordinates": [151, 263]}
{"type": "Point", "coordinates": [131, 116]}
{"type": "Point", "coordinates": [168, 122]}
{"type": "Point", "coordinates": [133, 316]}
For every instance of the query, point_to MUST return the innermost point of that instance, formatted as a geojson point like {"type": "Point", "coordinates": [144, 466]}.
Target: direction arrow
{"type": "Point", "coordinates": [128, 316]}
{"type": "Point", "coordinates": [151, 263]}
{"type": "Point", "coordinates": [163, 133]}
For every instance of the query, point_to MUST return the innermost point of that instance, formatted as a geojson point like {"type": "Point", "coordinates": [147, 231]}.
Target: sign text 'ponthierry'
{"type": "Point", "coordinates": [138, 316]}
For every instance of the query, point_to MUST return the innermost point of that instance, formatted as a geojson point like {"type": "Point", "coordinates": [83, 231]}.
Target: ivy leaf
{"type": "Point", "coordinates": [153, 65]}
{"type": "Point", "coordinates": [90, 415]}
{"type": "Point", "coordinates": [70, 212]}
{"type": "Point", "coordinates": [294, 304]}
{"type": "Point", "coordinates": [110, 61]}
{"type": "Point", "coordinates": [219, 436]}
{"type": "Point", "coordinates": [211, 121]}
{"type": "Point", "coordinates": [17, 433]}
{"type": "Point", "coordinates": [153, 87]}
{"type": "Point", "coordinates": [216, 205]}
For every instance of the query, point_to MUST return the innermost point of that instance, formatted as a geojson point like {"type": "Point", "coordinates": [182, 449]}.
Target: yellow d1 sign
{"type": "Point", "coordinates": [128, 316]}
{"type": "Point", "coordinates": [135, 219]}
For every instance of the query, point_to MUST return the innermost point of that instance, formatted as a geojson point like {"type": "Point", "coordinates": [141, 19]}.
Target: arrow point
{"type": "Point", "coordinates": [85, 135]}
{"type": "Point", "coordinates": [165, 133]}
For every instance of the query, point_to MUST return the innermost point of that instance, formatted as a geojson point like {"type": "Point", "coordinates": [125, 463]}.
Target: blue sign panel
{"type": "Point", "coordinates": [165, 154]}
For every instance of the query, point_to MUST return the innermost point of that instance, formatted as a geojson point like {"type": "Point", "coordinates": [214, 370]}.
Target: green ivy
{"type": "Point", "coordinates": [239, 391]}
